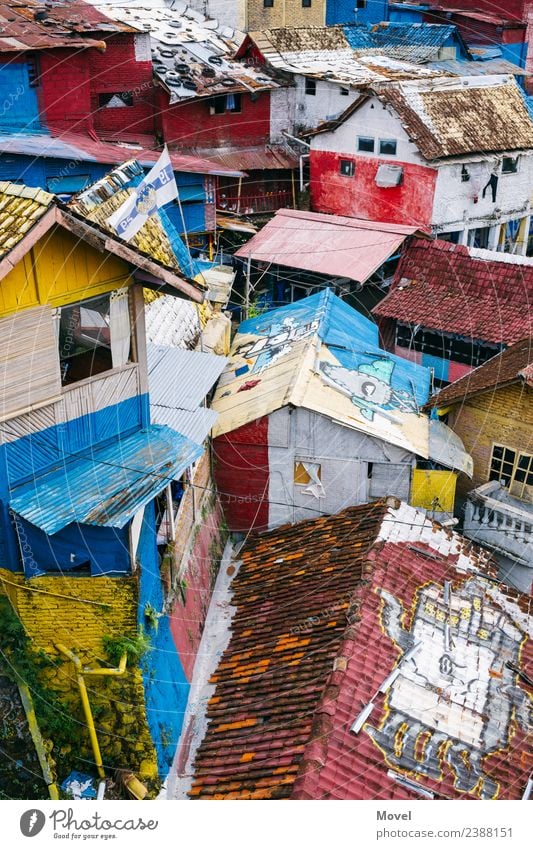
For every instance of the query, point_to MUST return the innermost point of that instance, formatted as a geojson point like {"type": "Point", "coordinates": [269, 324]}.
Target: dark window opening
{"type": "Point", "coordinates": [268, 4]}
{"type": "Point", "coordinates": [361, 4]}
{"type": "Point", "coordinates": [460, 350]}
{"type": "Point", "coordinates": [510, 165]}
{"type": "Point", "coordinates": [365, 144]}
{"type": "Point", "coordinates": [34, 72]}
{"type": "Point", "coordinates": [345, 92]}
{"type": "Point", "coordinates": [115, 99]}
{"type": "Point", "coordinates": [306, 4]}
{"type": "Point", "coordinates": [226, 103]}
{"type": "Point", "coordinates": [387, 147]}
{"type": "Point", "coordinates": [310, 86]}
{"type": "Point", "coordinates": [465, 175]}
{"type": "Point", "coordinates": [347, 167]}
{"type": "Point", "coordinates": [233, 103]}
{"type": "Point", "coordinates": [85, 339]}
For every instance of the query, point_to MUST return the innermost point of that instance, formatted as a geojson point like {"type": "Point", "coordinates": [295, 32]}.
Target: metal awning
{"type": "Point", "coordinates": [332, 245]}
{"type": "Point", "coordinates": [447, 449]}
{"type": "Point", "coordinates": [108, 485]}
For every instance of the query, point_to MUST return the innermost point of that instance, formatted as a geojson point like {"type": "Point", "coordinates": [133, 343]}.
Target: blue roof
{"type": "Point", "coordinates": [110, 485]}
{"type": "Point", "coordinates": [351, 337]}
{"type": "Point", "coordinates": [406, 41]}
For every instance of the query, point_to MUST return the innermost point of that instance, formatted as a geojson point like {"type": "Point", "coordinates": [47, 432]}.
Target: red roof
{"type": "Point", "coordinates": [326, 244]}
{"type": "Point", "coordinates": [455, 289]}
{"type": "Point", "coordinates": [325, 611]}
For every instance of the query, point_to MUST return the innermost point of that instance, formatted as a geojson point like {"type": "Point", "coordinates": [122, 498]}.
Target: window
{"type": "Point", "coordinates": [361, 4]}
{"type": "Point", "coordinates": [310, 86]}
{"type": "Point", "coordinates": [387, 147]}
{"type": "Point", "coordinates": [345, 92]}
{"type": "Point", "coordinates": [268, 4]}
{"type": "Point", "coordinates": [34, 72]}
{"type": "Point", "coordinates": [226, 103]}
{"type": "Point", "coordinates": [460, 350]}
{"type": "Point", "coordinates": [510, 164]}
{"type": "Point", "coordinates": [513, 469]}
{"type": "Point", "coordinates": [115, 99]}
{"type": "Point", "coordinates": [465, 174]}
{"type": "Point", "coordinates": [94, 336]}
{"type": "Point", "coordinates": [347, 167]}
{"type": "Point", "coordinates": [365, 144]}
{"type": "Point", "coordinates": [306, 473]}
{"type": "Point", "coordinates": [306, 4]}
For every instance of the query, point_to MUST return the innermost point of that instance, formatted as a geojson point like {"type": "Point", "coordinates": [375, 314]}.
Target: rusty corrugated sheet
{"type": "Point", "coordinates": [326, 244]}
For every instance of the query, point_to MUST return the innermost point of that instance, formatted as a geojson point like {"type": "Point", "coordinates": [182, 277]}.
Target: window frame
{"type": "Point", "coordinates": [306, 4]}
{"type": "Point", "coordinates": [268, 4]}
{"type": "Point", "coordinates": [351, 167]}
{"type": "Point", "coordinates": [310, 83]}
{"type": "Point", "coordinates": [516, 160]}
{"type": "Point", "coordinates": [512, 483]}
{"type": "Point", "coordinates": [299, 461]}
{"type": "Point", "coordinates": [361, 149]}
{"type": "Point", "coordinates": [394, 142]}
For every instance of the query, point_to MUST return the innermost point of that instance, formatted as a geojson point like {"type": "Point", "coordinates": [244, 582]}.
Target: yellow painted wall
{"type": "Point", "coordinates": [60, 269]}
{"type": "Point", "coordinates": [118, 703]}
{"type": "Point", "coordinates": [503, 416]}
{"type": "Point", "coordinates": [428, 484]}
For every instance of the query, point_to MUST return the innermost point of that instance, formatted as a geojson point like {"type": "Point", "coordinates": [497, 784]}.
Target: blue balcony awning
{"type": "Point", "coordinates": [109, 485]}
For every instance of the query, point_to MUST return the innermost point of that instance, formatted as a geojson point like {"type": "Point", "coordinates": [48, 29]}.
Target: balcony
{"type": "Point", "coordinates": [255, 204]}
{"type": "Point", "coordinates": [495, 519]}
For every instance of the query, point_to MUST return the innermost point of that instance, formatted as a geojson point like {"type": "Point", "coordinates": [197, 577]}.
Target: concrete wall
{"type": "Point", "coordinates": [328, 102]}
{"type": "Point", "coordinates": [344, 455]}
{"type": "Point", "coordinates": [460, 204]}
{"type": "Point", "coordinates": [282, 112]}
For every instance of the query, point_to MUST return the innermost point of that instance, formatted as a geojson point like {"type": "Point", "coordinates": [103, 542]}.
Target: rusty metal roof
{"type": "Point", "coordinates": [30, 25]}
{"type": "Point", "coordinates": [326, 244]}
{"type": "Point", "coordinates": [261, 158]}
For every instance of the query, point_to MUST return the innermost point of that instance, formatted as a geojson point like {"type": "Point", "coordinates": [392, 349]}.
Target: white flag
{"type": "Point", "coordinates": [158, 188]}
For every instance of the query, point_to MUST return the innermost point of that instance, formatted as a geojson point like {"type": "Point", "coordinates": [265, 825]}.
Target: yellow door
{"type": "Point", "coordinates": [433, 490]}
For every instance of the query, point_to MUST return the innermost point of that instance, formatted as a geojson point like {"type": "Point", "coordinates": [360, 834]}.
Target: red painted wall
{"type": "Point", "coordinates": [187, 620]}
{"type": "Point", "coordinates": [410, 203]}
{"type": "Point", "coordinates": [242, 476]}
{"type": "Point", "coordinates": [117, 70]}
{"type": "Point", "coordinates": [64, 92]}
{"type": "Point", "coordinates": [189, 124]}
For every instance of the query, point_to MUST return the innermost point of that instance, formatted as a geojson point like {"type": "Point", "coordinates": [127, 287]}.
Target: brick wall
{"type": "Point", "coordinates": [504, 417]}
{"type": "Point", "coordinates": [285, 13]}
{"type": "Point", "coordinates": [65, 92]}
{"type": "Point", "coordinates": [117, 703]}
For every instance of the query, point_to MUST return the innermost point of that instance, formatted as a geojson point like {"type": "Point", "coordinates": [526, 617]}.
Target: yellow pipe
{"type": "Point", "coordinates": [80, 672]}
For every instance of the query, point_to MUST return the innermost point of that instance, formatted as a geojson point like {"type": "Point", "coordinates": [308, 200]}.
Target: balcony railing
{"type": "Point", "coordinates": [491, 520]}
{"type": "Point", "coordinates": [255, 204]}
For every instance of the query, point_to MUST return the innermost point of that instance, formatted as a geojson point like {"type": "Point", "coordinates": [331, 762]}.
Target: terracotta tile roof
{"type": "Point", "coordinates": [271, 676]}
{"type": "Point", "coordinates": [455, 289]}
{"type": "Point", "coordinates": [294, 677]}
{"type": "Point", "coordinates": [20, 208]}
{"type": "Point", "coordinates": [450, 118]}
{"type": "Point", "coordinates": [511, 366]}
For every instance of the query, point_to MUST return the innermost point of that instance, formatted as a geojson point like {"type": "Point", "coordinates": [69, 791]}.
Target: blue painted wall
{"type": "Point", "coordinates": [345, 11]}
{"type": "Point", "coordinates": [19, 109]}
{"type": "Point", "coordinates": [406, 14]}
{"type": "Point", "coordinates": [35, 454]}
{"type": "Point", "coordinates": [166, 687]}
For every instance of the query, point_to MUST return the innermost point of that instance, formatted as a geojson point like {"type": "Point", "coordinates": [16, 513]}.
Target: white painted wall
{"type": "Point", "coordinates": [343, 454]}
{"type": "Point", "coordinates": [455, 204]}
{"type": "Point", "coordinates": [371, 119]}
{"type": "Point", "coordinates": [328, 102]}
{"type": "Point", "coordinates": [230, 13]}
{"type": "Point", "coordinates": [281, 113]}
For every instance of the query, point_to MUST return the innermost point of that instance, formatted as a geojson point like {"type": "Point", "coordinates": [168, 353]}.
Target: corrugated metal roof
{"type": "Point", "coordinates": [20, 209]}
{"type": "Point", "coordinates": [410, 42]}
{"type": "Point", "coordinates": [195, 424]}
{"type": "Point", "coordinates": [465, 68]}
{"type": "Point", "coordinates": [110, 485]}
{"type": "Point", "coordinates": [20, 31]}
{"type": "Point", "coordinates": [181, 379]}
{"type": "Point", "coordinates": [321, 354]}
{"type": "Point", "coordinates": [327, 244]}
{"type": "Point", "coordinates": [253, 158]}
{"type": "Point", "coordinates": [76, 147]}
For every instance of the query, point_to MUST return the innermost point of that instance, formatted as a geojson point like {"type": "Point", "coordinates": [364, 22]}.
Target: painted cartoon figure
{"type": "Point", "coordinates": [368, 387]}
{"type": "Point", "coordinates": [276, 343]}
{"type": "Point", "coordinates": [455, 700]}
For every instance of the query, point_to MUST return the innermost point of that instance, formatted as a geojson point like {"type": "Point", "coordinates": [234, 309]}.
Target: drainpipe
{"type": "Point", "coordinates": [80, 672]}
{"type": "Point", "coordinates": [302, 155]}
